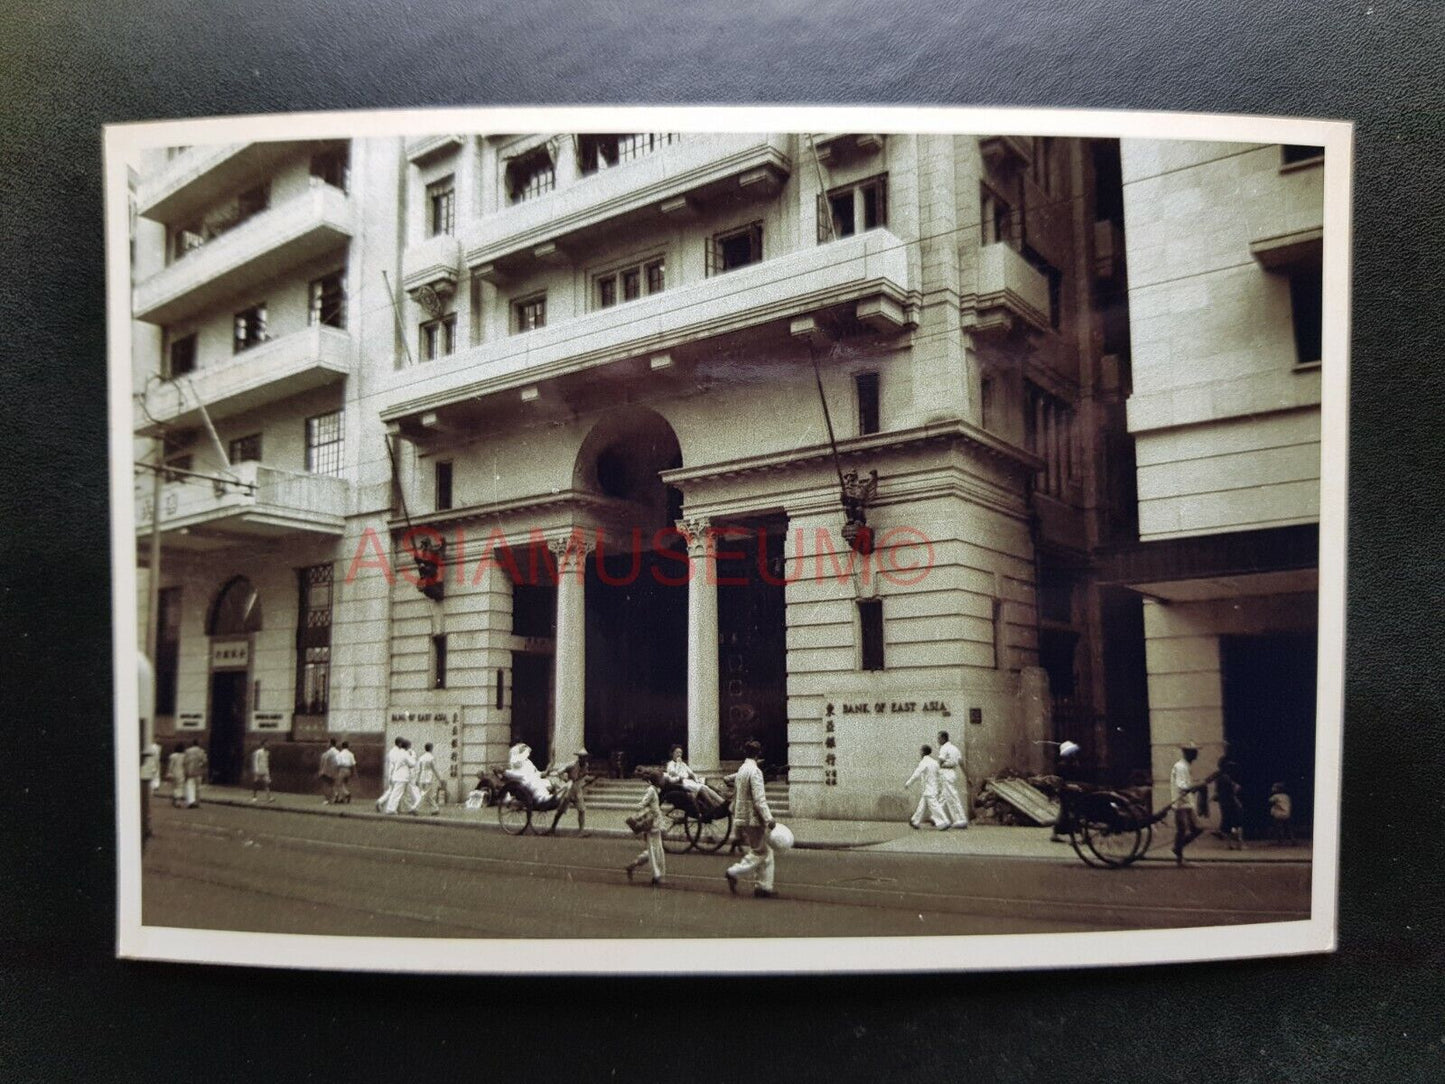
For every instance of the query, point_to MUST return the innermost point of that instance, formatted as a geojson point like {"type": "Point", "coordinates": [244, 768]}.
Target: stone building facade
{"type": "Point", "coordinates": [622, 393]}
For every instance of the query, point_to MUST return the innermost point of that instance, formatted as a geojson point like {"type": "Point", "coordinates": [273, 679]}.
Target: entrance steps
{"type": "Point", "coordinates": [626, 793]}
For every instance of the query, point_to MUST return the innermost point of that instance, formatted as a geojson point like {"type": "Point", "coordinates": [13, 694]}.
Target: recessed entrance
{"type": "Point", "coordinates": [234, 619]}
{"type": "Point", "coordinates": [752, 634]}
{"type": "Point", "coordinates": [1269, 721]}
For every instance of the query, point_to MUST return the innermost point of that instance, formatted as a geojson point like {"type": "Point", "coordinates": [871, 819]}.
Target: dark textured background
{"type": "Point", "coordinates": [70, 1012]}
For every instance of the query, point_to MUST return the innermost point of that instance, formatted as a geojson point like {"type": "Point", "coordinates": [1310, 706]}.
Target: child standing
{"type": "Point", "coordinates": [1280, 809]}
{"type": "Point", "coordinates": [651, 807]}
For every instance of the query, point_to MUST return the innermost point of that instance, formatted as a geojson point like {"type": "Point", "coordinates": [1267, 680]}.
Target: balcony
{"type": "Point", "coordinates": [862, 278]}
{"type": "Point", "coordinates": [435, 262]}
{"type": "Point", "coordinates": [262, 502]}
{"type": "Point", "coordinates": [837, 148]}
{"type": "Point", "coordinates": [674, 182]}
{"type": "Point", "coordinates": [195, 177]}
{"type": "Point", "coordinates": [422, 149]}
{"type": "Point", "coordinates": [264, 374]}
{"type": "Point", "coordinates": [259, 249]}
{"type": "Point", "coordinates": [1011, 293]}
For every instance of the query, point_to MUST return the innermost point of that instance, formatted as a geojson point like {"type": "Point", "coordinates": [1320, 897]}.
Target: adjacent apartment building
{"type": "Point", "coordinates": [621, 440]}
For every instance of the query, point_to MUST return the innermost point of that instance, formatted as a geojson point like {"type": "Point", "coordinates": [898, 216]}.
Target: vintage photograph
{"type": "Point", "coordinates": [913, 549]}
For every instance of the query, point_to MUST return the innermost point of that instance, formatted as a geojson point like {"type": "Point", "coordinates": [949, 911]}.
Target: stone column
{"type": "Point", "coordinates": [570, 703]}
{"type": "Point", "coordinates": [702, 647]}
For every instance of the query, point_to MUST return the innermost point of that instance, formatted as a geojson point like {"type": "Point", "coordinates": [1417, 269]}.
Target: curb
{"type": "Point", "coordinates": [621, 833]}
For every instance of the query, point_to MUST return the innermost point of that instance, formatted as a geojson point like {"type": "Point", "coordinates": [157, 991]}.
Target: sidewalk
{"type": "Point", "coordinates": [989, 840]}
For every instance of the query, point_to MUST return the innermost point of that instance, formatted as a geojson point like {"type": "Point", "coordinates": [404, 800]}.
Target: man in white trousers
{"type": "Point", "coordinates": [928, 802]}
{"type": "Point", "coordinates": [950, 760]}
{"type": "Point", "coordinates": [396, 775]}
{"type": "Point", "coordinates": [753, 820]}
{"type": "Point", "coordinates": [428, 781]}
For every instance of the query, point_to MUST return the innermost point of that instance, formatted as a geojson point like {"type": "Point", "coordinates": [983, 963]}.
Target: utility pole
{"type": "Point", "coordinates": [153, 621]}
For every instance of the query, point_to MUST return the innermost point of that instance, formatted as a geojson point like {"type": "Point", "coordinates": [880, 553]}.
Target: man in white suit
{"type": "Point", "coordinates": [753, 820]}
{"type": "Point", "coordinates": [950, 760]}
{"type": "Point", "coordinates": [928, 802]}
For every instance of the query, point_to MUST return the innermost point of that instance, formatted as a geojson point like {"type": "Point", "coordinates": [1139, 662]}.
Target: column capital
{"type": "Point", "coordinates": [694, 530]}
{"type": "Point", "coordinates": [579, 543]}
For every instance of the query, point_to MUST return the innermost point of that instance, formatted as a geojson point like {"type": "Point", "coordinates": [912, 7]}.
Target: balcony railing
{"type": "Point", "coordinates": [867, 273]}
{"type": "Point", "coordinates": [671, 181]}
{"type": "Point", "coordinates": [268, 373]}
{"type": "Point", "coordinates": [192, 178]}
{"type": "Point", "coordinates": [263, 246]}
{"type": "Point", "coordinates": [1011, 292]}
{"type": "Point", "coordinates": [261, 502]}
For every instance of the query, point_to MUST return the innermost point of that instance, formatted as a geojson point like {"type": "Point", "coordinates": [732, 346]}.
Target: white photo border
{"type": "Point", "coordinates": [122, 143]}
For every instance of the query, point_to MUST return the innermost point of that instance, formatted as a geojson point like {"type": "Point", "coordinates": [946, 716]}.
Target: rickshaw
{"type": "Point", "coordinates": [518, 811]}
{"type": "Point", "coordinates": [1108, 829]}
{"type": "Point", "coordinates": [688, 825]}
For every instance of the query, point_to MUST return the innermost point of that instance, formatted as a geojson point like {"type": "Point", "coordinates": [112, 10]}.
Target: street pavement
{"type": "Point", "coordinates": [297, 866]}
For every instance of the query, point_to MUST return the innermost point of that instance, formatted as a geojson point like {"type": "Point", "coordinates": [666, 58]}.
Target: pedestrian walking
{"type": "Point", "coordinates": [176, 773]}
{"type": "Point", "coordinates": [428, 782]}
{"type": "Point", "coordinates": [261, 772]}
{"type": "Point", "coordinates": [1227, 795]}
{"type": "Point", "coordinates": [195, 766]}
{"type": "Point", "coordinates": [1181, 789]}
{"type": "Point", "coordinates": [326, 772]}
{"type": "Point", "coordinates": [928, 802]}
{"type": "Point", "coordinates": [395, 776]}
{"type": "Point", "coordinates": [648, 823]}
{"type": "Point", "coordinates": [345, 769]}
{"type": "Point", "coordinates": [950, 761]}
{"type": "Point", "coordinates": [574, 774]}
{"type": "Point", "coordinates": [753, 820]}
{"type": "Point", "coordinates": [1280, 811]}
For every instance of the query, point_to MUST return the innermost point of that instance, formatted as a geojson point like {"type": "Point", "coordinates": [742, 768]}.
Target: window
{"type": "Point", "coordinates": [529, 314]}
{"type": "Point", "coordinates": [1295, 152]}
{"type": "Point", "coordinates": [996, 217]}
{"type": "Point", "coordinates": [1306, 297]}
{"type": "Point", "coordinates": [1049, 434]}
{"type": "Point", "coordinates": [181, 358]}
{"type": "Point", "coordinates": [245, 449]}
{"type": "Point", "coordinates": [599, 152]}
{"type": "Point", "coordinates": [531, 175]}
{"type": "Point", "coordinates": [168, 649]}
{"type": "Point", "coordinates": [870, 628]}
{"type": "Point", "coordinates": [1043, 168]}
{"type": "Point", "coordinates": [866, 386]}
{"type": "Point", "coordinates": [250, 329]}
{"type": "Point", "coordinates": [630, 283]}
{"type": "Point", "coordinates": [438, 338]}
{"type": "Point", "coordinates": [332, 167]}
{"type": "Point", "coordinates": [439, 661]}
{"type": "Point", "coordinates": [735, 248]}
{"type": "Point", "coordinates": [441, 204]}
{"type": "Point", "coordinates": [324, 436]}
{"type": "Point", "coordinates": [850, 210]}
{"type": "Point", "coordinates": [313, 640]}
{"type": "Point", "coordinates": [1055, 279]}
{"type": "Point", "coordinates": [328, 301]}
{"type": "Point", "coordinates": [443, 485]}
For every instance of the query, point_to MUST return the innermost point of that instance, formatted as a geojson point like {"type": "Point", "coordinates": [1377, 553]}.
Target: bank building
{"type": "Point", "coordinates": [832, 440]}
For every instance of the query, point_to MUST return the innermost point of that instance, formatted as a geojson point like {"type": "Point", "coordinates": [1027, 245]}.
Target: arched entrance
{"type": "Point", "coordinates": [234, 620]}
{"type": "Point", "coordinates": [636, 701]}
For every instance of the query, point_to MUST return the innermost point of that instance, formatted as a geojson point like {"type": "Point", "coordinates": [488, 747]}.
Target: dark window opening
{"type": "Point", "coordinates": [250, 328]}
{"type": "Point", "coordinates": [1306, 296]}
{"type": "Point", "coordinates": [529, 314]}
{"type": "Point", "coordinates": [628, 283]}
{"type": "Point", "coordinates": [597, 152]}
{"type": "Point", "coordinates": [182, 358]}
{"type": "Point", "coordinates": [531, 175]}
{"type": "Point", "coordinates": [168, 649]}
{"type": "Point", "coordinates": [176, 463]}
{"type": "Point", "coordinates": [443, 486]}
{"type": "Point", "coordinates": [996, 218]}
{"type": "Point", "coordinates": [870, 626]}
{"type": "Point", "coordinates": [313, 640]}
{"type": "Point", "coordinates": [439, 661]}
{"type": "Point", "coordinates": [252, 202]}
{"type": "Point", "coordinates": [866, 385]}
{"type": "Point", "coordinates": [858, 207]}
{"type": "Point", "coordinates": [1055, 280]}
{"type": "Point", "coordinates": [534, 610]}
{"type": "Point", "coordinates": [332, 167]}
{"type": "Point", "coordinates": [328, 301]}
{"type": "Point", "coordinates": [735, 248]}
{"type": "Point", "coordinates": [245, 449]}
{"type": "Point", "coordinates": [438, 338]}
{"type": "Point", "coordinates": [441, 200]}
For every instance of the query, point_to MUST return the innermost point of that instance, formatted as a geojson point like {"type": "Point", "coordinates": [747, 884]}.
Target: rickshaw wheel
{"type": "Point", "coordinates": [712, 836]}
{"type": "Point", "coordinates": [676, 831]}
{"type": "Point", "coordinates": [543, 822]}
{"type": "Point", "coordinates": [1114, 834]}
{"type": "Point", "coordinates": [513, 815]}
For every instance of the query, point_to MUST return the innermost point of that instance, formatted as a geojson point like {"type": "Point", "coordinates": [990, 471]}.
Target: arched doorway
{"type": "Point", "coordinates": [234, 620]}
{"type": "Point", "coordinates": [636, 702]}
